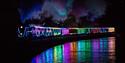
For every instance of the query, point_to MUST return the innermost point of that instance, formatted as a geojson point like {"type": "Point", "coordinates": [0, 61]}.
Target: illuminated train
{"type": "Point", "coordinates": [38, 31]}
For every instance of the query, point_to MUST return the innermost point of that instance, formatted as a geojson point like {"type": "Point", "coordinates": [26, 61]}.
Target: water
{"type": "Point", "coordinates": [101, 50]}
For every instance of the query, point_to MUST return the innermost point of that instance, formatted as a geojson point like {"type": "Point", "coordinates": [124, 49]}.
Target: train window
{"type": "Point", "coordinates": [65, 31]}
{"type": "Point", "coordinates": [72, 30]}
{"type": "Point", "coordinates": [111, 29]}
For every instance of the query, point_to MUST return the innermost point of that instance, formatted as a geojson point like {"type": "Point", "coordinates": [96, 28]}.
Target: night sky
{"type": "Point", "coordinates": [61, 8]}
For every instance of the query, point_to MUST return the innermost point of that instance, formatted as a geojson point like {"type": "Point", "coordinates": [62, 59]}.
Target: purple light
{"type": "Point", "coordinates": [66, 52]}
{"type": "Point", "coordinates": [65, 31]}
{"type": "Point", "coordinates": [38, 59]}
{"type": "Point", "coordinates": [96, 45]}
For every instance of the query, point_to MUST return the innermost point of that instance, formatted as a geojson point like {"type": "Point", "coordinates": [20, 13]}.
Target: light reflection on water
{"type": "Point", "coordinates": [100, 50]}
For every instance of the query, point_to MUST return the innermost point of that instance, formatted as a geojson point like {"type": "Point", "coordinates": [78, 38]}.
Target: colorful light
{"type": "Point", "coordinates": [95, 51]}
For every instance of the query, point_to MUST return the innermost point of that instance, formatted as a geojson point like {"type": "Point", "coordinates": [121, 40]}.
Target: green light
{"type": "Point", "coordinates": [55, 53]}
{"type": "Point", "coordinates": [58, 54]}
{"type": "Point", "coordinates": [88, 45]}
{"type": "Point", "coordinates": [88, 49]}
{"type": "Point", "coordinates": [81, 31]}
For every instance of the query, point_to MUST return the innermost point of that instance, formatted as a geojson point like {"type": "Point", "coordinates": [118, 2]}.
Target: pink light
{"type": "Point", "coordinates": [111, 44]}
{"type": "Point", "coordinates": [65, 31]}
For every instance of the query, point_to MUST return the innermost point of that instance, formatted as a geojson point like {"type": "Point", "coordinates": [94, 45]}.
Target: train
{"type": "Point", "coordinates": [39, 31]}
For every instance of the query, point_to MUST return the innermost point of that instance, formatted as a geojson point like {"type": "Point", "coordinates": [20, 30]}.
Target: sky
{"type": "Point", "coordinates": [59, 9]}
